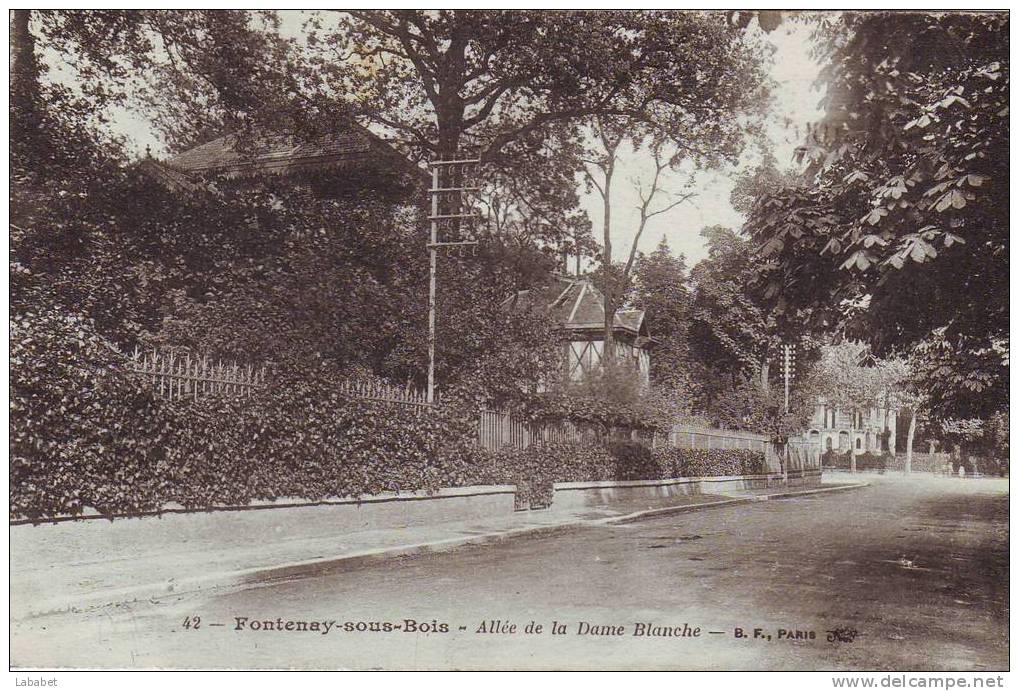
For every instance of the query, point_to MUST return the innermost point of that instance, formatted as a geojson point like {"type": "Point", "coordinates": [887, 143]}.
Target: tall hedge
{"type": "Point", "coordinates": [87, 433]}
{"type": "Point", "coordinates": [535, 469]}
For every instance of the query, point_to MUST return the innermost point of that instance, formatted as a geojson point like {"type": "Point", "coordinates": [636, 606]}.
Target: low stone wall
{"type": "Point", "coordinates": [808, 477]}
{"type": "Point", "coordinates": [572, 495]}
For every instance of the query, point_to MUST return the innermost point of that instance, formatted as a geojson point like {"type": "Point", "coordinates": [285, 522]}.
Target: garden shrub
{"type": "Point", "coordinates": [830, 459]}
{"type": "Point", "coordinates": [534, 469]}
{"type": "Point", "coordinates": [864, 461]}
{"type": "Point", "coordinates": [874, 461]}
{"type": "Point", "coordinates": [635, 461]}
{"type": "Point", "coordinates": [75, 419]}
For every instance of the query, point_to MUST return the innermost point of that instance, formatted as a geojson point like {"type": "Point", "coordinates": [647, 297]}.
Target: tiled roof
{"type": "Point", "coordinates": [172, 179]}
{"type": "Point", "coordinates": [631, 319]}
{"type": "Point", "coordinates": [275, 154]}
{"type": "Point", "coordinates": [577, 305]}
{"type": "Point", "coordinates": [272, 153]}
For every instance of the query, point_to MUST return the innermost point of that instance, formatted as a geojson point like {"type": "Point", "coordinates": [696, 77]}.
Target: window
{"type": "Point", "coordinates": [859, 443]}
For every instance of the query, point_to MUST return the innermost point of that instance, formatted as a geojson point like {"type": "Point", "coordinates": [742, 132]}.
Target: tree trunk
{"type": "Point", "coordinates": [909, 441]}
{"type": "Point", "coordinates": [887, 432]}
{"type": "Point", "coordinates": [608, 301]}
{"type": "Point", "coordinates": [852, 441]}
{"type": "Point", "coordinates": [25, 117]}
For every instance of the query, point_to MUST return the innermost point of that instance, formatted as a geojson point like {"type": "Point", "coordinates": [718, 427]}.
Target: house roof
{"type": "Point", "coordinates": [172, 179]}
{"type": "Point", "coordinates": [577, 305]}
{"type": "Point", "coordinates": [271, 154]}
{"type": "Point", "coordinates": [261, 154]}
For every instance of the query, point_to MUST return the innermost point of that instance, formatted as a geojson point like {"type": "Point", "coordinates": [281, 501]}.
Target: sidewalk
{"type": "Point", "coordinates": [60, 571]}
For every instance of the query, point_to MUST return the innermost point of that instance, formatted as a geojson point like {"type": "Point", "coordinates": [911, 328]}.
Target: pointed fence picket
{"type": "Point", "coordinates": [375, 390]}
{"type": "Point", "coordinates": [499, 430]}
{"type": "Point", "coordinates": [176, 376]}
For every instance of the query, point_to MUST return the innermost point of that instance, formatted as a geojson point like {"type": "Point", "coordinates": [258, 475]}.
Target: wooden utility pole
{"type": "Point", "coordinates": [448, 178]}
{"type": "Point", "coordinates": [433, 260]}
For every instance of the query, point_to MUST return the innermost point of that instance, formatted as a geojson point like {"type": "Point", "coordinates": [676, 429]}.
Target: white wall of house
{"type": "Point", "coordinates": [583, 356]}
{"type": "Point", "coordinates": [836, 429]}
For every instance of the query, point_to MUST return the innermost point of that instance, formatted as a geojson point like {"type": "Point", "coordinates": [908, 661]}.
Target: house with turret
{"type": "Point", "coordinates": [577, 307]}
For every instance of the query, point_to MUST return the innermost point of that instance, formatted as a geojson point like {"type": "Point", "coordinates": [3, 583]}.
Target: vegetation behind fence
{"type": "Point", "coordinates": [498, 430]}
{"type": "Point", "coordinates": [176, 376]}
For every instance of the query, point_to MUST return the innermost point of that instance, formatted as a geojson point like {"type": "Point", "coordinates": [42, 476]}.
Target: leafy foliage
{"type": "Point", "coordinates": [85, 434]}
{"type": "Point", "coordinates": [900, 234]}
{"type": "Point", "coordinates": [488, 80]}
{"type": "Point", "coordinates": [535, 469]}
{"type": "Point", "coordinates": [678, 462]}
{"type": "Point", "coordinates": [730, 331]}
{"type": "Point", "coordinates": [749, 406]}
{"type": "Point", "coordinates": [195, 73]}
{"type": "Point", "coordinates": [661, 290]}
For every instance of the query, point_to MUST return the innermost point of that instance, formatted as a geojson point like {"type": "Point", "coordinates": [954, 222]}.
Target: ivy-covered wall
{"type": "Point", "coordinates": [85, 433]}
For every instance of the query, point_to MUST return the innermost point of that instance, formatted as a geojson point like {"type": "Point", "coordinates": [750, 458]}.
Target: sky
{"type": "Point", "coordinates": [795, 104]}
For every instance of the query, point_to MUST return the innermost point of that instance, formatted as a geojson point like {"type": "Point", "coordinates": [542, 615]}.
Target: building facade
{"type": "Point", "coordinates": [578, 309]}
{"type": "Point", "coordinates": [871, 430]}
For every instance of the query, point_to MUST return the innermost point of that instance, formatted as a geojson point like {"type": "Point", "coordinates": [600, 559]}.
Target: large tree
{"type": "Point", "coordinates": [194, 73]}
{"type": "Point", "coordinates": [497, 85]}
{"type": "Point", "coordinates": [483, 81]}
{"type": "Point", "coordinates": [900, 233]}
{"type": "Point", "coordinates": [731, 334]}
{"type": "Point", "coordinates": [661, 290]}
{"type": "Point", "coordinates": [610, 136]}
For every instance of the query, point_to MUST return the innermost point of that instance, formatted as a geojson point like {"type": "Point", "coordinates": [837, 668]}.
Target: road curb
{"type": "Point", "coordinates": [175, 589]}
{"type": "Point", "coordinates": [669, 510]}
{"type": "Point", "coordinates": [817, 490]}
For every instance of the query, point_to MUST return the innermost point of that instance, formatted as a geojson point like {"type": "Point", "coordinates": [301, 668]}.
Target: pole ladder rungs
{"type": "Point", "coordinates": [435, 164]}
{"type": "Point", "coordinates": [454, 189]}
{"type": "Point", "coordinates": [431, 245]}
{"type": "Point", "coordinates": [439, 217]}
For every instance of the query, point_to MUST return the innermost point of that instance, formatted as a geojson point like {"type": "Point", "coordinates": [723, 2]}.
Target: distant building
{"type": "Point", "coordinates": [838, 430]}
{"type": "Point", "coordinates": [578, 308]}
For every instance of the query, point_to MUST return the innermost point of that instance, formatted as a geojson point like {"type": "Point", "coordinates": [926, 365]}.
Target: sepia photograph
{"type": "Point", "coordinates": [510, 340]}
